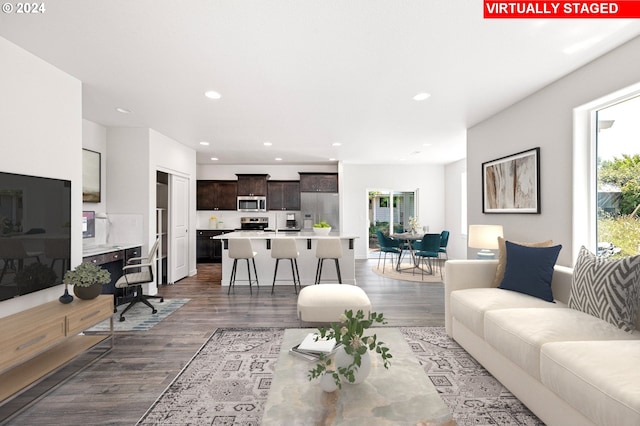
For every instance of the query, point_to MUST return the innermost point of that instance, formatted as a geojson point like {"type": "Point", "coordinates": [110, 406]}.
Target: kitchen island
{"type": "Point", "coordinates": [307, 261]}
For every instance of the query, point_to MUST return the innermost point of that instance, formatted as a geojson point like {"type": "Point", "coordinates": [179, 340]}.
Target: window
{"type": "Point", "coordinates": [617, 171]}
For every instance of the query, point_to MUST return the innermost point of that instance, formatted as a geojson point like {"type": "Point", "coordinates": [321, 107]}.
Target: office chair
{"type": "Point", "coordinates": [138, 271]}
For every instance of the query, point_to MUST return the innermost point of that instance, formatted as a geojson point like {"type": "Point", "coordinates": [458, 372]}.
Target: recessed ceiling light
{"type": "Point", "coordinates": [332, 159]}
{"type": "Point", "coordinates": [123, 110]}
{"type": "Point", "coordinates": [267, 144]}
{"type": "Point", "coordinates": [426, 144]}
{"type": "Point", "coordinates": [278, 159]}
{"type": "Point", "coordinates": [212, 94]}
{"type": "Point", "coordinates": [336, 144]}
{"type": "Point", "coordinates": [214, 158]}
{"type": "Point", "coordinates": [205, 143]}
{"type": "Point", "coordinates": [421, 96]}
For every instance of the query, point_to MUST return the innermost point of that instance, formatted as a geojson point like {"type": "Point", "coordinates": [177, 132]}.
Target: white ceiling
{"type": "Point", "coordinates": [304, 74]}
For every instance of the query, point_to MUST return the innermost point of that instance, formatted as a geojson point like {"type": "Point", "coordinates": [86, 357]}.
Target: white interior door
{"type": "Point", "coordinates": [179, 225]}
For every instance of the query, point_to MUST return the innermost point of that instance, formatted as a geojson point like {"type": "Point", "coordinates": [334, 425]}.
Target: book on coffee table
{"type": "Point", "coordinates": [316, 344]}
{"type": "Point", "coordinates": [314, 353]}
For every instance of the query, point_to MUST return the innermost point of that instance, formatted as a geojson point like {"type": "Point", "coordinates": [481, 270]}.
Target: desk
{"type": "Point", "coordinates": [112, 258]}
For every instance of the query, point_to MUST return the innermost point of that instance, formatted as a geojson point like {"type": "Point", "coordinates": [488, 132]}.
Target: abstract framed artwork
{"type": "Point", "coordinates": [90, 176]}
{"type": "Point", "coordinates": [512, 184]}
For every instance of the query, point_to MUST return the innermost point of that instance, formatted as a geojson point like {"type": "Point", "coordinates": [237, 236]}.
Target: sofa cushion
{"type": "Point", "coordinates": [530, 270]}
{"type": "Point", "coordinates": [502, 256]}
{"type": "Point", "coordinates": [599, 379]}
{"type": "Point", "coordinates": [518, 334]}
{"type": "Point", "coordinates": [607, 288]}
{"type": "Point", "coordinates": [469, 306]}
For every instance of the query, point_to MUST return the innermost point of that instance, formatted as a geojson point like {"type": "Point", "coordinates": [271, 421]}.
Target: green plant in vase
{"type": "Point", "coordinates": [355, 344]}
{"type": "Point", "coordinates": [87, 280]}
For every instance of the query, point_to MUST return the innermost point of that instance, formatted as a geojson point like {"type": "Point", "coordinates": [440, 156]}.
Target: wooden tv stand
{"type": "Point", "coordinates": [35, 342]}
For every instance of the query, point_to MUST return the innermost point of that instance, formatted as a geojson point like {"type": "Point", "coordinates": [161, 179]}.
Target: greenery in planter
{"type": "Point", "coordinates": [86, 275]}
{"type": "Point", "coordinates": [33, 277]}
{"type": "Point", "coordinates": [350, 332]}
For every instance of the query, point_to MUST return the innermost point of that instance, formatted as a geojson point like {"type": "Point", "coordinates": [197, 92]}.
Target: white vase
{"type": "Point", "coordinates": [327, 383]}
{"type": "Point", "coordinates": [343, 359]}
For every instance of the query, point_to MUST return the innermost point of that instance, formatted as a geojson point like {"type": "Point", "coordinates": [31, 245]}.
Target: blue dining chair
{"type": "Point", "coordinates": [428, 249]}
{"type": "Point", "coordinates": [387, 245]}
{"type": "Point", "coordinates": [444, 241]}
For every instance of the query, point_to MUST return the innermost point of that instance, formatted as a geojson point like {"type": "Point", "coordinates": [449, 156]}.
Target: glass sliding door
{"type": "Point", "coordinates": [389, 212]}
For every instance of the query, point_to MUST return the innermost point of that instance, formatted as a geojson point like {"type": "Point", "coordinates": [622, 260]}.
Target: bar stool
{"type": "Point", "coordinates": [328, 248]}
{"type": "Point", "coordinates": [285, 248]}
{"type": "Point", "coordinates": [240, 248]}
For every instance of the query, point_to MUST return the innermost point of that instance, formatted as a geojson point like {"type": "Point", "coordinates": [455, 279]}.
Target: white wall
{"type": "Point", "coordinates": [275, 172]}
{"type": "Point", "coordinates": [94, 138]}
{"type": "Point", "coordinates": [41, 135]}
{"type": "Point", "coordinates": [457, 248]}
{"type": "Point", "coordinates": [358, 180]}
{"type": "Point", "coordinates": [167, 155]}
{"type": "Point", "coordinates": [545, 119]}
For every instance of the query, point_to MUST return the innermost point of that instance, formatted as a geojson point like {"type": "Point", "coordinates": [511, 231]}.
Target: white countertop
{"type": "Point", "coordinates": [106, 248]}
{"type": "Point", "coordinates": [265, 235]}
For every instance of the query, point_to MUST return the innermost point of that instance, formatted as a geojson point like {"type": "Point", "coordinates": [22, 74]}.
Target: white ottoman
{"type": "Point", "coordinates": [326, 302]}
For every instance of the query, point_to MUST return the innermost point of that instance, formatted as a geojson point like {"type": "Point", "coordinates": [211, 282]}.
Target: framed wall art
{"type": "Point", "coordinates": [90, 176]}
{"type": "Point", "coordinates": [512, 184]}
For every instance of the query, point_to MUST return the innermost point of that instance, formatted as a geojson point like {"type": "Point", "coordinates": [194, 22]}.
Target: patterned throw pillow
{"type": "Point", "coordinates": [607, 288]}
{"type": "Point", "coordinates": [502, 256]}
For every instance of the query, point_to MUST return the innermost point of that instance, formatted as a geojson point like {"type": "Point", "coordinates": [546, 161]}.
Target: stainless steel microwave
{"type": "Point", "coordinates": [248, 203]}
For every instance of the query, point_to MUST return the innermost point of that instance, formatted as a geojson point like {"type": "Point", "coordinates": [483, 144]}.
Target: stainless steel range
{"type": "Point", "coordinates": [254, 223]}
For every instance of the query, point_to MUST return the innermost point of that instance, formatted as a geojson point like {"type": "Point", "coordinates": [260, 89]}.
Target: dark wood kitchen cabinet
{"type": "Point", "coordinates": [253, 185]}
{"type": "Point", "coordinates": [283, 195]}
{"type": "Point", "coordinates": [209, 250]}
{"type": "Point", "coordinates": [318, 182]}
{"type": "Point", "coordinates": [216, 195]}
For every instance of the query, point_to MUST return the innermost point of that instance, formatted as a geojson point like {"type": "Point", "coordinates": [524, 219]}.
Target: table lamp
{"type": "Point", "coordinates": [485, 238]}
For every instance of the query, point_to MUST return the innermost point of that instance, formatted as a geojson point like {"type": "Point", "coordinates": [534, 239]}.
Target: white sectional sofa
{"type": "Point", "coordinates": [568, 367]}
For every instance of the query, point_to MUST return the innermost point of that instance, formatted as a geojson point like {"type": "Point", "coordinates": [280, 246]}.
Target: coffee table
{"type": "Point", "coordinates": [401, 395]}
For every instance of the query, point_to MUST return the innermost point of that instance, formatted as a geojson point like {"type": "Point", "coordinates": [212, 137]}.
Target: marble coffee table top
{"type": "Point", "coordinates": [401, 395]}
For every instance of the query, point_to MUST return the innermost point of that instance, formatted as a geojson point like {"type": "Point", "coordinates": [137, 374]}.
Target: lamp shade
{"type": "Point", "coordinates": [484, 236]}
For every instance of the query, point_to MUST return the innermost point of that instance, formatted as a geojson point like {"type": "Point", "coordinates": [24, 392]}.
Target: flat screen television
{"type": "Point", "coordinates": [35, 233]}
{"type": "Point", "coordinates": [88, 224]}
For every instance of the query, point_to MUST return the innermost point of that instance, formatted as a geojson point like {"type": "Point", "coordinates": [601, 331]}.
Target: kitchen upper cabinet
{"type": "Point", "coordinates": [318, 182]}
{"type": "Point", "coordinates": [283, 195]}
{"type": "Point", "coordinates": [252, 185]}
{"type": "Point", "coordinates": [216, 195]}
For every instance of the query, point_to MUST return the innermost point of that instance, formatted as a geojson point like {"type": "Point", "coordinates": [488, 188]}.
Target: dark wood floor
{"type": "Point", "coordinates": [118, 388]}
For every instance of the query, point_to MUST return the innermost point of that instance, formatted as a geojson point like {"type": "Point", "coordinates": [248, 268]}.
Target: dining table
{"type": "Point", "coordinates": [410, 238]}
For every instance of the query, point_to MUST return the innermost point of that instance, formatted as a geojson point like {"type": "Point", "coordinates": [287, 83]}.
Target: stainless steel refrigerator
{"type": "Point", "coordinates": [319, 206]}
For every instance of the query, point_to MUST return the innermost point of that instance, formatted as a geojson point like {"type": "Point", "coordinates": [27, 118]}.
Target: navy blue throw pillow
{"type": "Point", "coordinates": [530, 269]}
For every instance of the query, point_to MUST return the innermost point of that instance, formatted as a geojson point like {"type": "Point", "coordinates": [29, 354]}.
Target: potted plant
{"type": "Point", "coordinates": [322, 228]}
{"type": "Point", "coordinates": [87, 280]}
{"type": "Point", "coordinates": [352, 361]}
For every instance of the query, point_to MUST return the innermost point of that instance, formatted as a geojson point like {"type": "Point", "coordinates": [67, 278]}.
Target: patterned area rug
{"type": "Point", "coordinates": [408, 273]}
{"type": "Point", "coordinates": [139, 317]}
{"type": "Point", "coordinates": [227, 381]}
